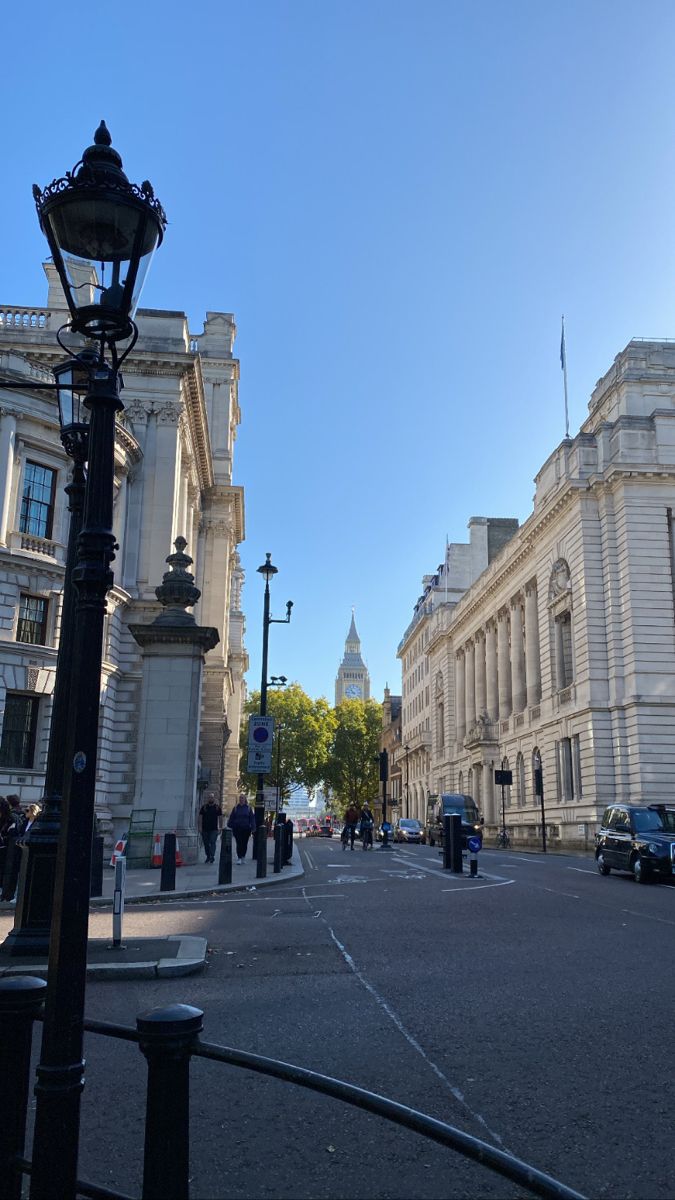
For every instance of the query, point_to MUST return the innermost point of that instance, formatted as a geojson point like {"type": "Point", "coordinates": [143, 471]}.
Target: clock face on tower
{"type": "Point", "coordinates": [353, 691]}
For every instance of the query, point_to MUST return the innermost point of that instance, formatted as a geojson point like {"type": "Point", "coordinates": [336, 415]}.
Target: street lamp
{"type": "Point", "coordinates": [102, 232]}
{"type": "Point", "coordinates": [30, 934]}
{"type": "Point", "coordinates": [268, 570]}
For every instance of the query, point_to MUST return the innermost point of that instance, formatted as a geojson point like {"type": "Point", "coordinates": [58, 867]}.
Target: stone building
{"type": "Point", "coordinates": [390, 740]}
{"type": "Point", "coordinates": [353, 680]}
{"type": "Point", "coordinates": [462, 565]}
{"type": "Point", "coordinates": [558, 661]}
{"type": "Point", "coordinates": [173, 480]}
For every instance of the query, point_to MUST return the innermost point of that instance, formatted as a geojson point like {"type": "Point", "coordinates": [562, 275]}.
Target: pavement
{"type": "Point", "coordinates": [148, 958]}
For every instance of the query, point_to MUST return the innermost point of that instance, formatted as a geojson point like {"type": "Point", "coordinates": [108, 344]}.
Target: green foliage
{"type": "Point", "coordinates": [352, 770]}
{"type": "Point", "coordinates": [304, 731]}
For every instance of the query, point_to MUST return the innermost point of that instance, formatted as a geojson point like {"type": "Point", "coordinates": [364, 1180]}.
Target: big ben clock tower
{"type": "Point", "coordinates": [353, 680]}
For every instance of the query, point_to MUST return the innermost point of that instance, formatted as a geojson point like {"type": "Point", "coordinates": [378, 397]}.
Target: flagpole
{"type": "Point", "coordinates": [563, 363]}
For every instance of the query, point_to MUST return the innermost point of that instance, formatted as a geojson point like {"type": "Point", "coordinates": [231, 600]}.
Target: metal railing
{"type": "Point", "coordinates": [169, 1038]}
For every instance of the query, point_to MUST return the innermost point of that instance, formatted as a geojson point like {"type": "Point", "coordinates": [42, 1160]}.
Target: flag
{"type": "Point", "coordinates": [563, 356]}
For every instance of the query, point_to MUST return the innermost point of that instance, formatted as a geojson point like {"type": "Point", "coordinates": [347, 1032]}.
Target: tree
{"type": "Point", "coordinates": [352, 769]}
{"type": "Point", "coordinates": [304, 731]}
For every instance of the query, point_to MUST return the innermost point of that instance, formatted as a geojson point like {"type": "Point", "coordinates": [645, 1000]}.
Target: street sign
{"type": "Point", "coordinates": [473, 844]}
{"type": "Point", "coordinates": [259, 762]}
{"type": "Point", "coordinates": [505, 778]}
{"type": "Point", "coordinates": [260, 732]}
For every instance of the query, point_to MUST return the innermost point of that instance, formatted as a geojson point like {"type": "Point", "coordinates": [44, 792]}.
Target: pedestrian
{"type": "Point", "coordinates": [351, 821]}
{"type": "Point", "coordinates": [32, 813]}
{"type": "Point", "coordinates": [242, 823]}
{"type": "Point", "coordinates": [12, 823]}
{"type": "Point", "coordinates": [210, 825]}
{"type": "Point", "coordinates": [18, 815]}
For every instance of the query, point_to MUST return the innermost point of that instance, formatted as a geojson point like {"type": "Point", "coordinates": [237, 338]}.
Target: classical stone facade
{"type": "Point", "coordinates": [173, 478]}
{"type": "Point", "coordinates": [560, 657]}
{"type": "Point", "coordinates": [390, 740]}
{"type": "Point", "coordinates": [353, 680]}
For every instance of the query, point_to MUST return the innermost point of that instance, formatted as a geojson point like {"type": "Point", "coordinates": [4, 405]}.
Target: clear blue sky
{"type": "Point", "coordinates": [397, 201]}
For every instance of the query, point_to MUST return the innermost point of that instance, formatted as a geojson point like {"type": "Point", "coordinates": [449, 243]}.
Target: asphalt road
{"type": "Point", "coordinates": [531, 1007]}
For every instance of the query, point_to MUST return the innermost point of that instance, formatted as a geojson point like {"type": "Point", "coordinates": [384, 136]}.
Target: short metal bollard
{"type": "Point", "coordinates": [96, 886]}
{"type": "Point", "coordinates": [167, 1036]}
{"type": "Point", "coordinates": [21, 998]}
{"type": "Point", "coordinates": [261, 852]}
{"type": "Point", "coordinates": [279, 841]}
{"type": "Point", "coordinates": [288, 828]}
{"type": "Point", "coordinates": [167, 879]}
{"type": "Point", "coordinates": [118, 901]}
{"type": "Point", "coordinates": [225, 858]}
{"type": "Point", "coordinates": [473, 865]}
{"type": "Point", "coordinates": [452, 843]}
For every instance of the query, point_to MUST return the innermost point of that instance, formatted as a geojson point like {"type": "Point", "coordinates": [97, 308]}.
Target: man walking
{"type": "Point", "coordinates": [242, 823]}
{"type": "Point", "coordinates": [210, 825]}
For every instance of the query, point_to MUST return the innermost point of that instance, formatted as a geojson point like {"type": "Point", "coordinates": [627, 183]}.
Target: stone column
{"type": "Point", "coordinates": [517, 656]}
{"type": "Point", "coordinates": [460, 696]}
{"type": "Point", "coordinates": [173, 649]}
{"type": "Point", "coordinates": [492, 703]}
{"type": "Point", "coordinates": [532, 660]}
{"type": "Point", "coordinates": [7, 446]}
{"type": "Point", "coordinates": [470, 707]}
{"type": "Point", "coordinates": [504, 665]}
{"type": "Point", "coordinates": [481, 686]}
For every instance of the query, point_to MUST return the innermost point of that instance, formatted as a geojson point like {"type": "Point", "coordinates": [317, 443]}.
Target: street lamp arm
{"type": "Point", "coordinates": [282, 620]}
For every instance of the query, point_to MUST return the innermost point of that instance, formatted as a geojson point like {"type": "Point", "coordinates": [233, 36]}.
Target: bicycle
{"type": "Point", "coordinates": [367, 837]}
{"type": "Point", "coordinates": [503, 840]}
{"type": "Point", "coordinates": [347, 833]}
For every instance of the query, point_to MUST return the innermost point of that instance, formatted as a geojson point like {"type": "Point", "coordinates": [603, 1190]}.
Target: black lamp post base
{"type": "Point", "coordinates": [30, 936]}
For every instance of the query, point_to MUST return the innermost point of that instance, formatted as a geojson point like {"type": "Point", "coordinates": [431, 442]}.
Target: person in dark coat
{"type": "Point", "coordinates": [242, 823]}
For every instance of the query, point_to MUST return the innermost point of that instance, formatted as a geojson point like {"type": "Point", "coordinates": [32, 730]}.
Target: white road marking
{"type": "Point", "coordinates": [555, 892]}
{"type": "Point", "coordinates": [476, 887]}
{"type": "Point", "coordinates": [583, 870]}
{"type": "Point", "coordinates": [412, 1041]}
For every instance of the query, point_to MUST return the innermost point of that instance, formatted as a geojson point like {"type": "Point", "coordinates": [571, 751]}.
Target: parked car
{"type": "Point", "coordinates": [449, 804]}
{"type": "Point", "coordinates": [639, 839]}
{"type": "Point", "coordinates": [407, 829]}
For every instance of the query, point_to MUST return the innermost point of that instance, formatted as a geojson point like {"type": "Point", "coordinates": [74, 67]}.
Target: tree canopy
{"type": "Point", "coordinates": [352, 769]}
{"type": "Point", "coordinates": [303, 736]}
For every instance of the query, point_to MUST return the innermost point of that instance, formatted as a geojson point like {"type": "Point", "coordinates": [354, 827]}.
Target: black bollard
{"type": "Point", "coordinates": [473, 864]}
{"type": "Point", "coordinates": [167, 879]}
{"type": "Point", "coordinates": [261, 851]}
{"type": "Point", "coordinates": [279, 840]}
{"type": "Point", "coordinates": [225, 859]}
{"type": "Point", "coordinates": [21, 998]}
{"type": "Point", "coordinates": [96, 886]}
{"type": "Point", "coordinates": [456, 844]}
{"type": "Point", "coordinates": [289, 842]}
{"type": "Point", "coordinates": [167, 1036]}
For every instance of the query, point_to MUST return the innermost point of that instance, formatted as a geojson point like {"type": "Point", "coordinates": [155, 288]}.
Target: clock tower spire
{"type": "Point", "coordinates": [353, 680]}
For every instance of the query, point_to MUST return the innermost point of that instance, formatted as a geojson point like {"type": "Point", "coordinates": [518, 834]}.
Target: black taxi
{"type": "Point", "coordinates": [639, 839]}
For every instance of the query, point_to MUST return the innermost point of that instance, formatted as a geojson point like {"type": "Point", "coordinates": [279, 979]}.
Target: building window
{"type": "Point", "coordinates": [32, 624]}
{"type": "Point", "coordinates": [37, 501]}
{"type": "Point", "coordinates": [564, 769]}
{"type": "Point", "coordinates": [576, 766]}
{"type": "Point", "coordinates": [17, 748]}
{"type": "Point", "coordinates": [441, 726]}
{"type": "Point", "coordinates": [521, 797]}
{"type": "Point", "coordinates": [563, 646]}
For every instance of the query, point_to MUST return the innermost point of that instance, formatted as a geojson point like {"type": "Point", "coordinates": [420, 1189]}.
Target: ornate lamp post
{"type": "Point", "coordinates": [36, 883]}
{"type": "Point", "coordinates": [102, 232]}
{"type": "Point", "coordinates": [268, 570]}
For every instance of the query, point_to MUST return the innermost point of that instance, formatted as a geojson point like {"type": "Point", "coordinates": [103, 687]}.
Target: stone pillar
{"type": "Point", "coordinates": [532, 660]}
{"type": "Point", "coordinates": [481, 686]}
{"type": "Point", "coordinates": [492, 702]}
{"type": "Point", "coordinates": [7, 446]}
{"type": "Point", "coordinates": [517, 656]}
{"type": "Point", "coordinates": [470, 707]}
{"type": "Point", "coordinates": [504, 665]}
{"type": "Point", "coordinates": [173, 649]}
{"type": "Point", "coordinates": [460, 696]}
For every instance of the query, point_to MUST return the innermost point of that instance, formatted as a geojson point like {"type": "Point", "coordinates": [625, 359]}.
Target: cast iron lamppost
{"type": "Point", "coordinates": [36, 884]}
{"type": "Point", "coordinates": [102, 233]}
{"type": "Point", "coordinates": [278, 681]}
{"type": "Point", "coordinates": [268, 570]}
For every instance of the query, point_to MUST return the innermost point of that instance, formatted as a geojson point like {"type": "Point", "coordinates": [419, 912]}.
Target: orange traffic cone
{"type": "Point", "coordinates": [179, 856]}
{"type": "Point", "coordinates": [156, 860]}
{"type": "Point", "coordinates": [119, 851]}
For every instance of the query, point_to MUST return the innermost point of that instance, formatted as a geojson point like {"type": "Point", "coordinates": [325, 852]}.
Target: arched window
{"type": "Point", "coordinates": [521, 796]}
{"type": "Point", "coordinates": [537, 775]}
{"type": "Point", "coordinates": [460, 783]}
